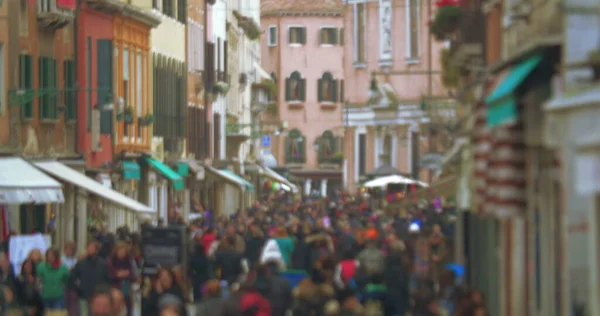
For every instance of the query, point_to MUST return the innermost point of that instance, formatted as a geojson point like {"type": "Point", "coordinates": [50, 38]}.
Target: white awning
{"type": "Point", "coordinates": [22, 183]}
{"type": "Point", "coordinates": [270, 173]}
{"type": "Point", "coordinates": [262, 72]}
{"type": "Point", "coordinates": [79, 179]}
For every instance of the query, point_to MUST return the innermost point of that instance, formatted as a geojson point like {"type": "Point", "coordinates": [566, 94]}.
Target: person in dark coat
{"type": "Point", "coordinates": [276, 289]}
{"type": "Point", "coordinates": [89, 273]}
{"type": "Point", "coordinates": [229, 261]}
{"type": "Point", "coordinates": [254, 244]}
{"type": "Point", "coordinates": [200, 269]}
{"type": "Point", "coordinates": [396, 274]}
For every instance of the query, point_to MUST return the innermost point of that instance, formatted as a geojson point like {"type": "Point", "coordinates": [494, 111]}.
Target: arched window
{"type": "Point", "coordinates": [295, 87]}
{"type": "Point", "coordinates": [328, 147]}
{"type": "Point", "coordinates": [327, 88]}
{"type": "Point", "coordinates": [295, 147]}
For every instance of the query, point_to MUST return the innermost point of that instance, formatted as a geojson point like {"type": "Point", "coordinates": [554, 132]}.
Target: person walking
{"type": "Point", "coordinates": [89, 272]}
{"type": "Point", "coordinates": [53, 277]}
{"type": "Point", "coordinates": [122, 272]}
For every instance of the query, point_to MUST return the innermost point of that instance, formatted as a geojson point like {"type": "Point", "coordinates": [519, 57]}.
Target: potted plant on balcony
{"type": "Point", "coordinates": [250, 27]}
{"type": "Point", "coordinates": [594, 60]}
{"type": "Point", "coordinates": [220, 88]}
{"type": "Point", "coordinates": [126, 116]}
{"type": "Point", "coordinates": [337, 158]}
{"type": "Point", "coordinates": [446, 20]}
{"type": "Point", "coordinates": [146, 120]}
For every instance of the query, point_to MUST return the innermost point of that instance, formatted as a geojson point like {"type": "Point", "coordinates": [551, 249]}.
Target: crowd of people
{"type": "Point", "coordinates": [324, 257]}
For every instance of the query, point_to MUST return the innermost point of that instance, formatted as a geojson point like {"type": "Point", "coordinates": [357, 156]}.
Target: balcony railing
{"type": "Point", "coordinates": [52, 16]}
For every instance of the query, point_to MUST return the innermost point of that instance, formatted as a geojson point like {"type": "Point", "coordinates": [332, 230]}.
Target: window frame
{"type": "Point", "coordinates": [289, 159]}
{"type": "Point", "coordinates": [296, 26]}
{"type": "Point", "coordinates": [409, 47]}
{"type": "Point", "coordinates": [327, 76]}
{"type": "Point", "coordinates": [333, 29]}
{"type": "Point", "coordinates": [358, 63]}
{"type": "Point", "coordinates": [272, 41]}
{"type": "Point", "coordinates": [301, 86]}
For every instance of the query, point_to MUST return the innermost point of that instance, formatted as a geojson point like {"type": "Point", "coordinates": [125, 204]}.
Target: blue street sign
{"type": "Point", "coordinates": [266, 141]}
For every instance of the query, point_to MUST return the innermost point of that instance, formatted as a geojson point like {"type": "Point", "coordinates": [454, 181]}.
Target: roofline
{"type": "Point", "coordinates": [279, 13]}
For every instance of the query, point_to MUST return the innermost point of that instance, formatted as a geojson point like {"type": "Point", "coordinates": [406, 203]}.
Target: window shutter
{"type": "Point", "coordinates": [42, 86]}
{"type": "Point", "coordinates": [104, 82]}
{"type": "Point", "coordinates": [322, 36]}
{"type": "Point", "coordinates": [335, 90]}
{"type": "Point", "coordinates": [341, 36]}
{"type": "Point", "coordinates": [182, 11]}
{"type": "Point", "coordinates": [320, 90]}
{"type": "Point", "coordinates": [302, 89]}
{"type": "Point", "coordinates": [288, 93]}
{"type": "Point", "coordinates": [290, 35]}
{"type": "Point", "coordinates": [341, 90]}
{"type": "Point", "coordinates": [334, 33]}
{"type": "Point", "coordinates": [54, 91]}
{"type": "Point", "coordinates": [303, 35]}
{"type": "Point", "coordinates": [225, 66]}
{"type": "Point", "coordinates": [26, 83]}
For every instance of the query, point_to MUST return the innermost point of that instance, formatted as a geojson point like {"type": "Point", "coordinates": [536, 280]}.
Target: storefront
{"type": "Point", "coordinates": [168, 201]}
{"type": "Point", "coordinates": [232, 192]}
{"type": "Point", "coordinates": [117, 209]}
{"type": "Point", "coordinates": [26, 197]}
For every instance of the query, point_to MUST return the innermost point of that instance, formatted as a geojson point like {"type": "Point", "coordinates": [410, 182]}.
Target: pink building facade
{"type": "Point", "coordinates": [391, 69]}
{"type": "Point", "coordinates": [302, 48]}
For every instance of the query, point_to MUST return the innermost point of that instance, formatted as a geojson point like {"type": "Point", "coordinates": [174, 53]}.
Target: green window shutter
{"type": "Point", "coordinates": [320, 90]}
{"type": "Point", "coordinates": [69, 79]}
{"type": "Point", "coordinates": [54, 87]}
{"type": "Point", "coordinates": [341, 90]}
{"type": "Point", "coordinates": [334, 84]}
{"type": "Point", "coordinates": [302, 83]}
{"type": "Point", "coordinates": [42, 86]}
{"type": "Point", "coordinates": [341, 41]}
{"type": "Point", "coordinates": [290, 35]}
{"type": "Point", "coordinates": [334, 34]}
{"type": "Point", "coordinates": [321, 36]}
{"type": "Point", "coordinates": [288, 92]}
{"type": "Point", "coordinates": [303, 35]}
{"type": "Point", "coordinates": [104, 82]}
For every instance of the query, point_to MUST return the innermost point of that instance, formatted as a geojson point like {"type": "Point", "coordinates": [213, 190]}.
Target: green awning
{"type": "Point", "coordinates": [234, 177]}
{"type": "Point", "coordinates": [502, 103]}
{"type": "Point", "coordinates": [167, 172]}
{"type": "Point", "coordinates": [183, 168]}
{"type": "Point", "coordinates": [131, 170]}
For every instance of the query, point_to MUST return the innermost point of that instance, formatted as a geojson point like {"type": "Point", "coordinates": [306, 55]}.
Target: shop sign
{"type": "Point", "coordinates": [431, 161]}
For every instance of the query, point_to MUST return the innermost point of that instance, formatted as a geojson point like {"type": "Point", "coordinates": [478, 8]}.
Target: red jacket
{"type": "Point", "coordinates": [207, 241]}
{"type": "Point", "coordinates": [348, 269]}
{"type": "Point", "coordinates": [254, 301]}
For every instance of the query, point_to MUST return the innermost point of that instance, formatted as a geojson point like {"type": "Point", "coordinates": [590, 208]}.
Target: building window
{"type": "Point", "coordinates": [195, 47]}
{"type": "Point", "coordinates": [126, 89]}
{"type": "Point", "coordinates": [295, 88]}
{"type": "Point", "coordinates": [139, 99]}
{"type": "Point", "coordinates": [362, 154]}
{"type": "Point", "coordinates": [167, 7]}
{"type": "Point", "coordinates": [341, 91]}
{"type": "Point", "coordinates": [272, 35]}
{"type": "Point", "coordinates": [327, 88]}
{"type": "Point", "coordinates": [48, 92]}
{"type": "Point", "coordinates": [297, 35]}
{"type": "Point", "coordinates": [328, 36]}
{"type": "Point", "coordinates": [69, 95]}
{"type": "Point", "coordinates": [26, 84]}
{"type": "Point", "coordinates": [328, 147]}
{"type": "Point", "coordinates": [413, 29]}
{"type": "Point", "coordinates": [295, 147]}
{"type": "Point", "coordinates": [359, 33]}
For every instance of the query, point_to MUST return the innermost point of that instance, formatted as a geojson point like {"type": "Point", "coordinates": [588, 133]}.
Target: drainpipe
{"type": "Point", "coordinates": [76, 59]}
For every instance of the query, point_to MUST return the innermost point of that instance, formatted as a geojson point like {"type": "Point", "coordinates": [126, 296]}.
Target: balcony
{"type": "Point", "coordinates": [467, 48]}
{"type": "Point", "coordinates": [51, 15]}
